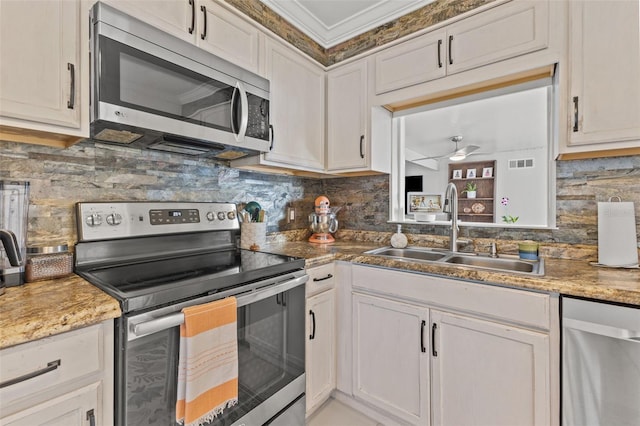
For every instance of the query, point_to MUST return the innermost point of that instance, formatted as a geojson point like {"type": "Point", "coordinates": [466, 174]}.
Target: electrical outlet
{"type": "Point", "coordinates": [291, 214]}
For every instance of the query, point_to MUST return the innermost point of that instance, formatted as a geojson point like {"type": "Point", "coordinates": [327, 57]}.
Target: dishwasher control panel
{"type": "Point", "coordinates": [111, 220]}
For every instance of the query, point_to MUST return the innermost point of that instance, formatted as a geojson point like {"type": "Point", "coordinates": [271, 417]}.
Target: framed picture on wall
{"type": "Point", "coordinates": [487, 172]}
{"type": "Point", "coordinates": [457, 174]}
{"type": "Point", "coordinates": [423, 202]}
{"type": "Point", "coordinates": [471, 173]}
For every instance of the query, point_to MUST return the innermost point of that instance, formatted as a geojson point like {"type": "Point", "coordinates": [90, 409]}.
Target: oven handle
{"type": "Point", "coordinates": [173, 320]}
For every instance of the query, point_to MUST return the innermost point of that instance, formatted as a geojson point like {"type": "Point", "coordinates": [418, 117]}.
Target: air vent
{"type": "Point", "coordinates": [526, 163]}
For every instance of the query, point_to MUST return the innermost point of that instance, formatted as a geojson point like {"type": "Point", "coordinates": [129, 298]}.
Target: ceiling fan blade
{"type": "Point", "coordinates": [467, 150]}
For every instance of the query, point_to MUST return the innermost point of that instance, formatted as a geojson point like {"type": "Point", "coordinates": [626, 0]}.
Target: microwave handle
{"type": "Point", "coordinates": [244, 111]}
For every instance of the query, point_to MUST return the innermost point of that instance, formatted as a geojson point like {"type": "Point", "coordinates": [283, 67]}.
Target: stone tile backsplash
{"type": "Point", "coordinates": [90, 172]}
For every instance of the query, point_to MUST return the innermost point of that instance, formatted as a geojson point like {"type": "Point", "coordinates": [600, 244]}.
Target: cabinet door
{"type": "Point", "coordinates": [297, 108]}
{"type": "Point", "coordinates": [77, 408]}
{"type": "Point", "coordinates": [498, 373]}
{"type": "Point", "coordinates": [176, 17]}
{"type": "Point", "coordinates": [412, 62]}
{"type": "Point", "coordinates": [347, 146]}
{"type": "Point", "coordinates": [604, 104]}
{"type": "Point", "coordinates": [504, 32]}
{"type": "Point", "coordinates": [40, 72]}
{"type": "Point", "coordinates": [321, 350]}
{"type": "Point", "coordinates": [227, 35]}
{"type": "Point", "coordinates": [390, 357]}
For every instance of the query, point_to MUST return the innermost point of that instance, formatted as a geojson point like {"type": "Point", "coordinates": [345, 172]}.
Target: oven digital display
{"type": "Point", "coordinates": [173, 216]}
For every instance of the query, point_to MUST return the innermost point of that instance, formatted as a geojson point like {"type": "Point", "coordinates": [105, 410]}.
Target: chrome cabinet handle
{"type": "Point", "coordinates": [450, 55]}
{"type": "Point", "coordinates": [50, 367]}
{"type": "Point", "coordinates": [361, 146]}
{"type": "Point", "coordinates": [422, 326]}
{"type": "Point", "coordinates": [439, 53]}
{"type": "Point", "coordinates": [324, 278]}
{"type": "Point", "coordinates": [575, 113]}
{"type": "Point", "coordinates": [91, 416]}
{"type": "Point", "coordinates": [313, 326]}
{"type": "Point", "coordinates": [203, 35]}
{"type": "Point", "coordinates": [434, 327]}
{"type": "Point", "coordinates": [193, 16]}
{"type": "Point", "coordinates": [71, 103]}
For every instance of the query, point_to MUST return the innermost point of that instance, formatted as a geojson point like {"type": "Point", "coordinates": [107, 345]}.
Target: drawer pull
{"type": "Point", "coordinates": [329, 276]}
{"type": "Point", "coordinates": [50, 367]}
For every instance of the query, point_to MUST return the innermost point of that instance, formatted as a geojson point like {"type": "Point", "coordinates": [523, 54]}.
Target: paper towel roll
{"type": "Point", "coordinates": [617, 240]}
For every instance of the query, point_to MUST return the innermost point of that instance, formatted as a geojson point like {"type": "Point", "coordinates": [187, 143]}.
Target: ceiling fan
{"type": "Point", "coordinates": [457, 154]}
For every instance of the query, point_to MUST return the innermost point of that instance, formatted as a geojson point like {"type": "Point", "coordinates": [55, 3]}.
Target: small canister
{"type": "Point", "coordinates": [47, 262]}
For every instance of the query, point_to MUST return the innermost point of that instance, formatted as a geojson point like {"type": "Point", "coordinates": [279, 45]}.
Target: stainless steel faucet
{"type": "Point", "coordinates": [451, 206]}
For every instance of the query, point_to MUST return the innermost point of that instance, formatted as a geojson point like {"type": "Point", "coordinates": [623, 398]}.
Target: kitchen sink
{"type": "Point", "coordinates": [417, 253]}
{"type": "Point", "coordinates": [505, 263]}
{"type": "Point", "coordinates": [502, 264]}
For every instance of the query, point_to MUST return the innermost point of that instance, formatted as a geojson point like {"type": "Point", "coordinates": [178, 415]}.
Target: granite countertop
{"type": "Point", "coordinates": [568, 277]}
{"type": "Point", "coordinates": [44, 308]}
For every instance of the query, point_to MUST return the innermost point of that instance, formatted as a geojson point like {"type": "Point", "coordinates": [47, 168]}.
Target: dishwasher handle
{"type": "Point", "coordinates": [601, 329]}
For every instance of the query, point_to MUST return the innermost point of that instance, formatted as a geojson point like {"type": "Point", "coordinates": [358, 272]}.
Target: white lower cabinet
{"type": "Point", "coordinates": [321, 336]}
{"type": "Point", "coordinates": [497, 372]}
{"type": "Point", "coordinates": [390, 359]}
{"type": "Point", "coordinates": [65, 379]}
{"type": "Point", "coordinates": [77, 408]}
{"type": "Point", "coordinates": [431, 350]}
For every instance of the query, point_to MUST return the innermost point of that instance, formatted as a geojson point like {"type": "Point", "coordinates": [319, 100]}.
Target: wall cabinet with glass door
{"type": "Point", "coordinates": [206, 23]}
{"type": "Point", "coordinates": [44, 79]}
{"type": "Point", "coordinates": [604, 96]}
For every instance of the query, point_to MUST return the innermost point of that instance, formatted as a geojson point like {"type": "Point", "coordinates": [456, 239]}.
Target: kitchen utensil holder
{"type": "Point", "coordinates": [253, 235]}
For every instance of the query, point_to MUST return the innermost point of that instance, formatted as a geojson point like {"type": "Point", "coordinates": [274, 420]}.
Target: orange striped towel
{"type": "Point", "coordinates": [208, 362]}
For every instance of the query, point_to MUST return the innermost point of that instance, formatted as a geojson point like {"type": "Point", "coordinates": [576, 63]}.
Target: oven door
{"type": "Point", "coordinates": [270, 358]}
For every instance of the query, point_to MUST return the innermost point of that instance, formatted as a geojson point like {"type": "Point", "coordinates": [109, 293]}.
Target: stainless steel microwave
{"type": "Point", "coordinates": [152, 90]}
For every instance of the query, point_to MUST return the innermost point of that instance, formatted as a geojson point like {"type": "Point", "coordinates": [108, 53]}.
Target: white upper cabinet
{"type": "Point", "coordinates": [358, 135]}
{"type": "Point", "coordinates": [412, 62]}
{"type": "Point", "coordinates": [296, 108]}
{"type": "Point", "coordinates": [205, 23]}
{"type": "Point", "coordinates": [44, 74]}
{"type": "Point", "coordinates": [506, 31]}
{"type": "Point", "coordinates": [604, 53]}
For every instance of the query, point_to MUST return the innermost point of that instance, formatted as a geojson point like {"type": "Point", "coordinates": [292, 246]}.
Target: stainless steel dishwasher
{"type": "Point", "coordinates": [600, 363]}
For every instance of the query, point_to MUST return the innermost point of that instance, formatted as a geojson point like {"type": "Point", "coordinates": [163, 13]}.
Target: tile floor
{"type": "Point", "coordinates": [335, 413]}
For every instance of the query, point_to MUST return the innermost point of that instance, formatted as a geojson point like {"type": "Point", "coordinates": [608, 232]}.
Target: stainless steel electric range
{"type": "Point", "coordinates": [156, 259]}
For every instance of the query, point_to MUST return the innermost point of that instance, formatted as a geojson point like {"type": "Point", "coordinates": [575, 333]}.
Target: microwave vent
{"type": "Point", "coordinates": [117, 136]}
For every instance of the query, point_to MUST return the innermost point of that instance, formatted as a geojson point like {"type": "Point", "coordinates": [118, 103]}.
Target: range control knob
{"type": "Point", "coordinates": [221, 216]}
{"type": "Point", "coordinates": [210, 216]}
{"type": "Point", "coordinates": [231, 215]}
{"type": "Point", "coordinates": [114, 219]}
{"type": "Point", "coordinates": [94, 219]}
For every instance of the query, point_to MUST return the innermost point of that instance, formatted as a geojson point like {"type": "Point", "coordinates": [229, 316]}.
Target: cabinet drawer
{"type": "Point", "coordinates": [46, 364]}
{"type": "Point", "coordinates": [321, 278]}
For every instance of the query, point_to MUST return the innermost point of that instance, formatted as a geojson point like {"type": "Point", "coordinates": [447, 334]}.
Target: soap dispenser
{"type": "Point", "coordinates": [399, 240]}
